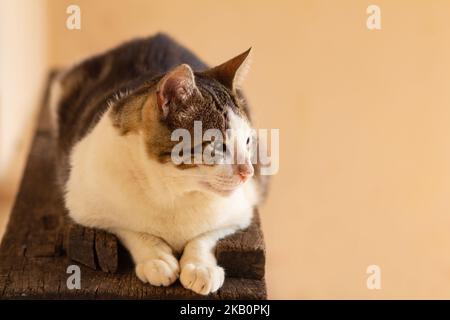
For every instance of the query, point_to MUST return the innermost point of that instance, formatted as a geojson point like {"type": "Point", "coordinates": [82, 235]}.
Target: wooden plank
{"type": "Point", "coordinates": [106, 248]}
{"type": "Point", "coordinates": [46, 279]}
{"type": "Point", "coordinates": [33, 261]}
{"type": "Point", "coordinates": [80, 244]}
{"type": "Point", "coordinates": [243, 254]}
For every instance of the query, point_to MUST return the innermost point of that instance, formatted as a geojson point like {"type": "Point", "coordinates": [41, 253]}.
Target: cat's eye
{"type": "Point", "coordinates": [248, 140]}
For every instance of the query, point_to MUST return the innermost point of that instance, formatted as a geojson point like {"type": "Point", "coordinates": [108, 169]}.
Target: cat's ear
{"type": "Point", "coordinates": [232, 73]}
{"type": "Point", "coordinates": [178, 84]}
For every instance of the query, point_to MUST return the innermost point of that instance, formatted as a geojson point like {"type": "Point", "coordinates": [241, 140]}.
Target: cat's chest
{"type": "Point", "coordinates": [185, 221]}
{"type": "Point", "coordinates": [106, 191]}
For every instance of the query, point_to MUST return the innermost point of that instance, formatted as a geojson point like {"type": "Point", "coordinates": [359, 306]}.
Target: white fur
{"type": "Point", "coordinates": [55, 95]}
{"type": "Point", "coordinates": [155, 208]}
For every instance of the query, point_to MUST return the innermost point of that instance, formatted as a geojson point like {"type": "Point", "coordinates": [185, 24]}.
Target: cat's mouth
{"type": "Point", "coordinates": [223, 188]}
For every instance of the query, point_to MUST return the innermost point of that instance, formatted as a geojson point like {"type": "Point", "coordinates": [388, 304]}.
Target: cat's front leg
{"type": "Point", "coordinates": [155, 262]}
{"type": "Point", "coordinates": [199, 270]}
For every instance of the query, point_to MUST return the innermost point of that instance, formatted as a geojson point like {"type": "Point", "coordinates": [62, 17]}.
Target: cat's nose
{"type": "Point", "coordinates": [245, 171]}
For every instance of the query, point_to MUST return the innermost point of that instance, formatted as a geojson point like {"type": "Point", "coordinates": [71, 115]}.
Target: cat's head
{"type": "Point", "coordinates": [204, 103]}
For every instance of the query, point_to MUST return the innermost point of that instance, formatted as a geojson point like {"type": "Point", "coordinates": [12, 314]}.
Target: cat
{"type": "Point", "coordinates": [113, 115]}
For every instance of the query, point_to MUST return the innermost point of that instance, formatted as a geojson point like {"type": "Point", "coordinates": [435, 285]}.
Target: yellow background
{"type": "Point", "coordinates": [364, 119]}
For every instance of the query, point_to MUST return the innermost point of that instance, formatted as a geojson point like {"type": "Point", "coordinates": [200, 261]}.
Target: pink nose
{"type": "Point", "coordinates": [245, 171]}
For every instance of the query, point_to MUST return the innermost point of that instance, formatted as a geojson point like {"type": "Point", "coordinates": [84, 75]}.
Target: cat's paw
{"type": "Point", "coordinates": [202, 279]}
{"type": "Point", "coordinates": [158, 272]}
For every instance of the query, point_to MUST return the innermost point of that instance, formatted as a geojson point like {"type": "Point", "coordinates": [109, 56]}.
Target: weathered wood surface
{"type": "Point", "coordinates": [40, 243]}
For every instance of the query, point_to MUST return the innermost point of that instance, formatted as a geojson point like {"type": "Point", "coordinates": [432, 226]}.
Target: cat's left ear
{"type": "Point", "coordinates": [232, 73]}
{"type": "Point", "coordinates": [178, 84]}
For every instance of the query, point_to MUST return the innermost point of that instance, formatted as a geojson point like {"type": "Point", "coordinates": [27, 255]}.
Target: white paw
{"type": "Point", "coordinates": [159, 272]}
{"type": "Point", "coordinates": [202, 279]}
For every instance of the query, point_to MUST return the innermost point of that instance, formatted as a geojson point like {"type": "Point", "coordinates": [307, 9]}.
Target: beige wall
{"type": "Point", "coordinates": [22, 73]}
{"type": "Point", "coordinates": [23, 69]}
{"type": "Point", "coordinates": [364, 123]}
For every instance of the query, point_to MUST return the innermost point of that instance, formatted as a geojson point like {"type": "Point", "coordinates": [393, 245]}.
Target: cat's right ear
{"type": "Point", "coordinates": [178, 84]}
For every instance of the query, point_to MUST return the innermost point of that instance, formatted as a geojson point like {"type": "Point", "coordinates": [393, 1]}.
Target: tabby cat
{"type": "Point", "coordinates": [114, 115]}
